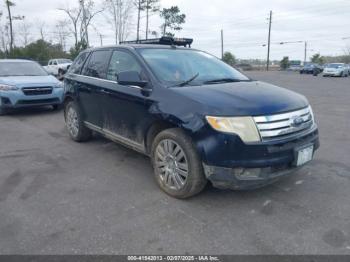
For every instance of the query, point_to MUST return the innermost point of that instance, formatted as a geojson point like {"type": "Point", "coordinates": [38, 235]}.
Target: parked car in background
{"type": "Point", "coordinates": [25, 83]}
{"type": "Point", "coordinates": [197, 118]}
{"type": "Point", "coordinates": [336, 69]}
{"type": "Point", "coordinates": [294, 68]}
{"type": "Point", "coordinates": [58, 67]}
{"type": "Point", "coordinates": [244, 67]}
{"type": "Point", "coordinates": [311, 68]}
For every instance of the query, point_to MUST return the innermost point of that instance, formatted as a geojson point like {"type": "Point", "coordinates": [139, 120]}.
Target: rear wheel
{"type": "Point", "coordinates": [177, 167]}
{"type": "Point", "coordinates": [74, 122]}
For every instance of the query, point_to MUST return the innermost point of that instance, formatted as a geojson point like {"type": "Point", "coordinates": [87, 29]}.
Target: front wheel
{"type": "Point", "coordinates": [74, 122]}
{"type": "Point", "coordinates": [177, 167]}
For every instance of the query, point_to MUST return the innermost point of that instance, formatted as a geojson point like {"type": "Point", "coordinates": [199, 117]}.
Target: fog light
{"type": "Point", "coordinates": [247, 173]}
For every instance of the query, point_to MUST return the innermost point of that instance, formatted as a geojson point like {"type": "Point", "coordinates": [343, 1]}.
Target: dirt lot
{"type": "Point", "coordinates": [60, 197]}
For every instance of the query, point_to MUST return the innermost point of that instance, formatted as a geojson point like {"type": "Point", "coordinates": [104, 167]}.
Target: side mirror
{"type": "Point", "coordinates": [131, 78]}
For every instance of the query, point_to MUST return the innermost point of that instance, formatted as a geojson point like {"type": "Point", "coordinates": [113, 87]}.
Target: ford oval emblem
{"type": "Point", "coordinates": [297, 121]}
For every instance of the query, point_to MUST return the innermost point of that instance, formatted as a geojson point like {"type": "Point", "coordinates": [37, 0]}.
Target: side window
{"type": "Point", "coordinates": [121, 62]}
{"type": "Point", "coordinates": [97, 64]}
{"type": "Point", "coordinates": [55, 62]}
{"type": "Point", "coordinates": [49, 62]}
{"type": "Point", "coordinates": [78, 63]}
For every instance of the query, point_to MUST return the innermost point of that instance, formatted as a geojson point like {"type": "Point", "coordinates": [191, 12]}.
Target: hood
{"type": "Point", "coordinates": [30, 81]}
{"type": "Point", "coordinates": [244, 98]}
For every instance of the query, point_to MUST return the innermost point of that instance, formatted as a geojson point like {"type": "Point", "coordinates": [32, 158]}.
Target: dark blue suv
{"type": "Point", "coordinates": [197, 118]}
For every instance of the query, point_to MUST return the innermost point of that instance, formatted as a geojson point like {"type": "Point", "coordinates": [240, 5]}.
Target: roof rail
{"type": "Point", "coordinates": [165, 40]}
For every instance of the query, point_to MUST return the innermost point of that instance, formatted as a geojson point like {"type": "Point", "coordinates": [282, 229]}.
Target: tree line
{"type": "Point", "coordinates": [124, 17]}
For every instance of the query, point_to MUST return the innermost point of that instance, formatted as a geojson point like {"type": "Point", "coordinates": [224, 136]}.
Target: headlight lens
{"type": "Point", "coordinates": [4, 87]}
{"type": "Point", "coordinates": [243, 126]}
{"type": "Point", "coordinates": [59, 85]}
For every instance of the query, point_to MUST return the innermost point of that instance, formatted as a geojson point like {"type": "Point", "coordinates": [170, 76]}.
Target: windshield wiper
{"type": "Point", "coordinates": [223, 80]}
{"type": "Point", "coordinates": [187, 81]}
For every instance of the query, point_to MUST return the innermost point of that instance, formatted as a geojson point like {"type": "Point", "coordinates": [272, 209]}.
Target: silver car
{"type": "Point", "coordinates": [336, 69]}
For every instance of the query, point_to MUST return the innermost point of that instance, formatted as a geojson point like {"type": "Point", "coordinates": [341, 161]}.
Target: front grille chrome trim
{"type": "Point", "coordinates": [280, 125]}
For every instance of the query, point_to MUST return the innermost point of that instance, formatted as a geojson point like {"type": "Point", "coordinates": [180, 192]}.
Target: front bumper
{"type": "Point", "coordinates": [17, 99]}
{"type": "Point", "coordinates": [229, 163]}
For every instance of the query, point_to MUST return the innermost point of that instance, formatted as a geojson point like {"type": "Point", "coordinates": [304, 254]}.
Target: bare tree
{"type": "Point", "coordinates": [8, 5]}
{"type": "Point", "coordinates": [74, 15]}
{"type": "Point", "coordinates": [41, 27]}
{"type": "Point", "coordinates": [61, 33]}
{"type": "Point", "coordinates": [3, 35]}
{"type": "Point", "coordinates": [24, 32]}
{"type": "Point", "coordinates": [119, 15]}
{"type": "Point", "coordinates": [151, 6]}
{"type": "Point", "coordinates": [141, 6]}
{"type": "Point", "coordinates": [89, 11]}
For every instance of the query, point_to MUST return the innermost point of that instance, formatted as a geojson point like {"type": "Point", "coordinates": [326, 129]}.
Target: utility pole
{"type": "Point", "coordinates": [305, 52]}
{"type": "Point", "coordinates": [222, 44]}
{"type": "Point", "coordinates": [268, 43]}
{"type": "Point", "coordinates": [147, 14]}
{"type": "Point", "coordinates": [138, 20]}
{"type": "Point", "coordinates": [82, 3]}
{"type": "Point", "coordinates": [8, 4]}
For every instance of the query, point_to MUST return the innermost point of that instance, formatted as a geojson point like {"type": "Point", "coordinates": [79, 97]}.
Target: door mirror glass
{"type": "Point", "coordinates": [130, 78]}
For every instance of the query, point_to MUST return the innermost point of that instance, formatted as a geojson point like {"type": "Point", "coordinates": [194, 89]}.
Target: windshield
{"type": "Point", "coordinates": [21, 69]}
{"type": "Point", "coordinates": [335, 66]}
{"type": "Point", "coordinates": [175, 66]}
{"type": "Point", "coordinates": [64, 61]}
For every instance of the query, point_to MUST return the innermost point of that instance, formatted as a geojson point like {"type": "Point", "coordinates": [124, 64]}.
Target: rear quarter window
{"type": "Point", "coordinates": [97, 64]}
{"type": "Point", "coordinates": [78, 63]}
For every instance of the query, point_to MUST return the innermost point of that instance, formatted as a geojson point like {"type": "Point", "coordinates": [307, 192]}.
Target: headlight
{"type": "Point", "coordinates": [312, 114]}
{"type": "Point", "coordinates": [243, 126]}
{"type": "Point", "coordinates": [59, 85]}
{"type": "Point", "coordinates": [4, 87]}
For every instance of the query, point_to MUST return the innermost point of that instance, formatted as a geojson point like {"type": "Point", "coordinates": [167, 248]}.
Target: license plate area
{"type": "Point", "coordinates": [303, 155]}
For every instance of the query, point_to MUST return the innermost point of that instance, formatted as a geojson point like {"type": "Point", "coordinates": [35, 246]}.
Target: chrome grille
{"type": "Point", "coordinates": [285, 124]}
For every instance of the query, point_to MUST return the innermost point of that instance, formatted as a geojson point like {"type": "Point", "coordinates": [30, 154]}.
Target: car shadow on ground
{"type": "Point", "coordinates": [282, 186]}
{"type": "Point", "coordinates": [32, 111]}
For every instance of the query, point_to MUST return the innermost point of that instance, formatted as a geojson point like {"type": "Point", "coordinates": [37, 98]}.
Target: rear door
{"type": "Point", "coordinates": [90, 86]}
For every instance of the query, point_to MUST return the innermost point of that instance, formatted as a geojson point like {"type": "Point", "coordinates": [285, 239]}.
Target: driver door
{"type": "Point", "coordinates": [125, 108]}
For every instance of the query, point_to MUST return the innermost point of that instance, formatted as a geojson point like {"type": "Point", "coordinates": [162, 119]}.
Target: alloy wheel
{"type": "Point", "coordinates": [72, 122]}
{"type": "Point", "coordinates": [172, 165]}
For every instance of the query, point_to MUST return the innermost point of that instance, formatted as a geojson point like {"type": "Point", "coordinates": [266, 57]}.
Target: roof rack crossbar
{"type": "Point", "coordinates": [165, 40]}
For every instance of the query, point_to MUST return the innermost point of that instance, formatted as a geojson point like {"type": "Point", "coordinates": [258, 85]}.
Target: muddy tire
{"type": "Point", "coordinates": [74, 123]}
{"type": "Point", "coordinates": [177, 166]}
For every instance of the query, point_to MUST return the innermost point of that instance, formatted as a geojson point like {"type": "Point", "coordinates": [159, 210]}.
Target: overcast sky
{"type": "Point", "coordinates": [322, 23]}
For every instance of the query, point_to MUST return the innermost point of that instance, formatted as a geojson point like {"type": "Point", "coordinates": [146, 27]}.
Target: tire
{"type": "Point", "coordinates": [60, 74]}
{"type": "Point", "coordinates": [74, 123]}
{"type": "Point", "coordinates": [341, 74]}
{"type": "Point", "coordinates": [177, 166]}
